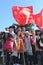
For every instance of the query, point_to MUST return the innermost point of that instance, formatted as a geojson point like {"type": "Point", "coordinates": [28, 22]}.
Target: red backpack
{"type": "Point", "coordinates": [8, 45]}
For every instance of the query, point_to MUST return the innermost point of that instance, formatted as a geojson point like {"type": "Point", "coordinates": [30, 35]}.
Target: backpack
{"type": "Point", "coordinates": [8, 45]}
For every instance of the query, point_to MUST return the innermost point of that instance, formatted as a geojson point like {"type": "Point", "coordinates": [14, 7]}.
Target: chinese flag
{"type": "Point", "coordinates": [22, 15]}
{"type": "Point", "coordinates": [38, 18]}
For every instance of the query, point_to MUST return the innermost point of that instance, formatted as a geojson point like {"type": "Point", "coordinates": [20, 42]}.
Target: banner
{"type": "Point", "coordinates": [38, 18]}
{"type": "Point", "coordinates": [22, 15]}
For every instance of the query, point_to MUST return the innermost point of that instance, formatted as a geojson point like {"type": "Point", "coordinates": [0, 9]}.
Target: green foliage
{"type": "Point", "coordinates": [28, 26]}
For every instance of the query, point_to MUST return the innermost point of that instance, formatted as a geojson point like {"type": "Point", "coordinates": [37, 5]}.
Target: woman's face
{"type": "Point", "coordinates": [19, 32]}
{"type": "Point", "coordinates": [42, 36]}
{"type": "Point", "coordinates": [10, 30]}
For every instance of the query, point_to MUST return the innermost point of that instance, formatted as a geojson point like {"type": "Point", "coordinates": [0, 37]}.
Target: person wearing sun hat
{"type": "Point", "coordinates": [28, 46]}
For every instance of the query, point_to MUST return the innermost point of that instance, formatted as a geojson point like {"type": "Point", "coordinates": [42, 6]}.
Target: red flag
{"type": "Point", "coordinates": [39, 19]}
{"type": "Point", "coordinates": [22, 14]}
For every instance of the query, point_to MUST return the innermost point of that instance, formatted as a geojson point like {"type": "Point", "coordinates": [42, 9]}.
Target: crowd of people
{"type": "Point", "coordinates": [22, 46]}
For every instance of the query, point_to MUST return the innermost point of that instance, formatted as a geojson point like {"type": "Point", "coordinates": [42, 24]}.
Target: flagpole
{"type": "Point", "coordinates": [27, 20]}
{"type": "Point", "coordinates": [33, 21]}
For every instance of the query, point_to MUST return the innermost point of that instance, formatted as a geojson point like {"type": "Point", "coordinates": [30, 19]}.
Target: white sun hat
{"type": "Point", "coordinates": [28, 32]}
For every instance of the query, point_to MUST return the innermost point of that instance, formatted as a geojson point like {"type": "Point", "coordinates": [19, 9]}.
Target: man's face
{"type": "Point", "coordinates": [33, 32]}
{"type": "Point", "coordinates": [38, 33]}
{"type": "Point", "coordinates": [27, 34]}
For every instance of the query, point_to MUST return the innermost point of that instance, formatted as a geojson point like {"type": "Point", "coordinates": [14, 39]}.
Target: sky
{"type": "Point", "coordinates": [6, 17]}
